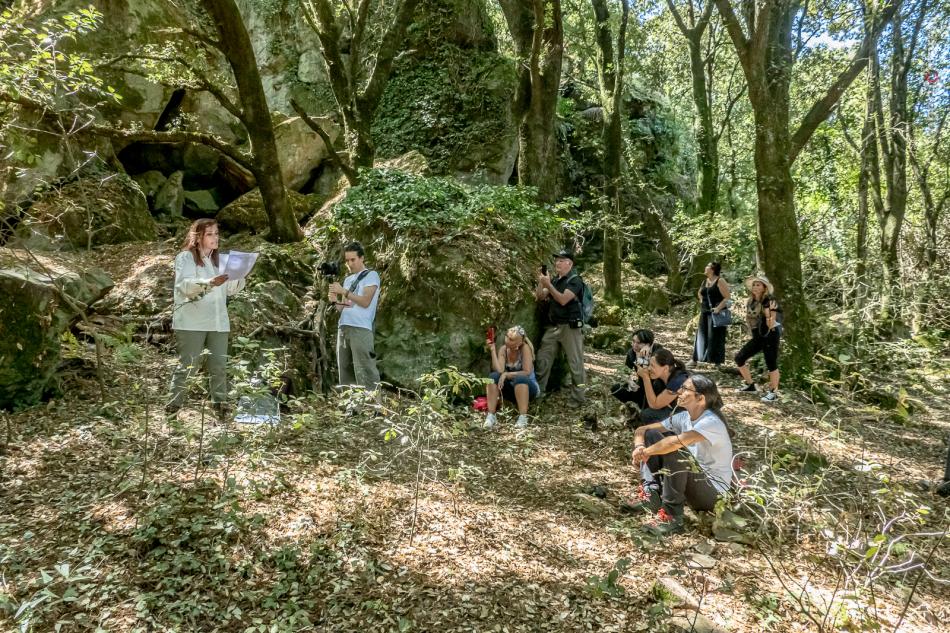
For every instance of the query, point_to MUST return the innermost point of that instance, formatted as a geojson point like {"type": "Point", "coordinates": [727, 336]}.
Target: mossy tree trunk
{"type": "Point", "coordinates": [537, 31]}
{"type": "Point", "coordinates": [701, 75]}
{"type": "Point", "coordinates": [357, 93]}
{"type": "Point", "coordinates": [610, 75]}
{"type": "Point", "coordinates": [235, 43]}
{"type": "Point", "coordinates": [767, 57]}
{"type": "Point", "coordinates": [893, 130]}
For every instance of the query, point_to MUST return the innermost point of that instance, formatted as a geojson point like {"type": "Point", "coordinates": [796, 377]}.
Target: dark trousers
{"type": "Point", "coordinates": [710, 346]}
{"type": "Point", "coordinates": [681, 481]}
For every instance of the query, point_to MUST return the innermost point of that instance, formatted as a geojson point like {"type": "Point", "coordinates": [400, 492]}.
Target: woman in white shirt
{"type": "Point", "coordinates": [200, 319]}
{"type": "Point", "coordinates": [692, 449]}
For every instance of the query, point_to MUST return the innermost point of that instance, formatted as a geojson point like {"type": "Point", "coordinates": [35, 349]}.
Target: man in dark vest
{"type": "Point", "coordinates": [565, 320]}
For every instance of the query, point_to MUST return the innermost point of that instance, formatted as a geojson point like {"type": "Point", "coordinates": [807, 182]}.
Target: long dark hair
{"type": "Point", "coordinates": [706, 387]}
{"type": "Point", "coordinates": [196, 233]}
{"type": "Point", "coordinates": [665, 358]}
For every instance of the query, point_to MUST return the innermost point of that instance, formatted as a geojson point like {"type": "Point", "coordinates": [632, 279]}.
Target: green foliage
{"type": "Point", "coordinates": [731, 239]}
{"type": "Point", "coordinates": [412, 205]}
{"type": "Point", "coordinates": [36, 63]}
{"type": "Point", "coordinates": [608, 585]}
{"type": "Point", "coordinates": [452, 107]}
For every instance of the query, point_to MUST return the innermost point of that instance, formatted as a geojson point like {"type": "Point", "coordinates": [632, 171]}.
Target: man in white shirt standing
{"type": "Point", "coordinates": [356, 301]}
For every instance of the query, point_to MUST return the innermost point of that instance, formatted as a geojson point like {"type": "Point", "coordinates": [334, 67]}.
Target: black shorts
{"type": "Point", "coordinates": [767, 344]}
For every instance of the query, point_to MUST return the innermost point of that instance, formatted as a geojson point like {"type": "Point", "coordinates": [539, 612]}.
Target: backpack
{"type": "Point", "coordinates": [587, 303]}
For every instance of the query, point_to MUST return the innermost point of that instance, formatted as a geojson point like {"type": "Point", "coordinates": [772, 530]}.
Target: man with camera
{"type": "Point", "coordinates": [356, 301]}
{"type": "Point", "coordinates": [565, 320]}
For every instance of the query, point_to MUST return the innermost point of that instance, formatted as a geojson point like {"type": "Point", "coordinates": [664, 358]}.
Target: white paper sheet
{"type": "Point", "coordinates": [238, 264]}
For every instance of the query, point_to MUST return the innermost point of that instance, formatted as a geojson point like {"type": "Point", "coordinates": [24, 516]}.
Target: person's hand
{"type": "Point", "coordinates": [638, 456]}
{"type": "Point", "coordinates": [716, 310]}
{"type": "Point", "coordinates": [336, 288]}
{"type": "Point", "coordinates": [489, 345]}
{"type": "Point", "coordinates": [643, 372]}
{"type": "Point", "coordinates": [220, 279]}
{"type": "Point", "coordinates": [501, 380]}
{"type": "Point", "coordinates": [545, 280]}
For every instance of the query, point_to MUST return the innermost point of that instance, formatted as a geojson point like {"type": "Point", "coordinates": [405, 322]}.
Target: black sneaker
{"type": "Point", "coordinates": [747, 388]}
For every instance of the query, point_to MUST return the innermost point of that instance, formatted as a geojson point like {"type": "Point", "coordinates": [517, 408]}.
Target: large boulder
{"type": "Point", "coordinates": [39, 304]}
{"type": "Point", "coordinates": [301, 150]}
{"type": "Point", "coordinates": [460, 120]}
{"type": "Point", "coordinates": [454, 260]}
{"type": "Point", "coordinates": [92, 211]}
{"type": "Point", "coordinates": [247, 212]}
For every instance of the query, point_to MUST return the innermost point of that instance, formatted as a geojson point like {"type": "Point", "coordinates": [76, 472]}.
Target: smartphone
{"type": "Point", "coordinates": [490, 334]}
{"type": "Point", "coordinates": [544, 269]}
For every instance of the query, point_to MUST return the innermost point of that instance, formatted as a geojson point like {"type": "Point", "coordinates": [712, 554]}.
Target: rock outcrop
{"type": "Point", "coordinates": [96, 210]}
{"type": "Point", "coordinates": [38, 306]}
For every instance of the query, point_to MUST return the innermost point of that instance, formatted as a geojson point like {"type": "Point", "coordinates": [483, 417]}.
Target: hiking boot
{"type": "Point", "coordinates": [172, 408]}
{"type": "Point", "coordinates": [490, 421]}
{"type": "Point", "coordinates": [221, 411]}
{"type": "Point", "coordinates": [522, 422]}
{"type": "Point", "coordinates": [664, 524]}
{"type": "Point", "coordinates": [770, 396]}
{"type": "Point", "coordinates": [750, 387]}
{"type": "Point", "coordinates": [645, 500]}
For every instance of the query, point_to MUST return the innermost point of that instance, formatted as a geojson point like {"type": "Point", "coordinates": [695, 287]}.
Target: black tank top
{"type": "Point", "coordinates": [712, 296]}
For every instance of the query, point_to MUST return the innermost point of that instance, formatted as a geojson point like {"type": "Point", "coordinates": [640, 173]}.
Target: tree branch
{"type": "Point", "coordinates": [822, 108]}
{"type": "Point", "coordinates": [383, 64]}
{"type": "Point", "coordinates": [733, 26]}
{"type": "Point", "coordinates": [345, 167]}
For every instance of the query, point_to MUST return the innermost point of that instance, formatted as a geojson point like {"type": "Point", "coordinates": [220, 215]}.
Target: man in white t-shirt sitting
{"type": "Point", "coordinates": [674, 447]}
{"type": "Point", "coordinates": [356, 301]}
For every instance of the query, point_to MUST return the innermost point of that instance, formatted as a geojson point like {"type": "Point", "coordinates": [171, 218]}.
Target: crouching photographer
{"type": "Point", "coordinates": [356, 301]}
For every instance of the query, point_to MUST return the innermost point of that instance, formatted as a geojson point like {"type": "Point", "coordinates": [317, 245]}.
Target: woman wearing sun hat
{"type": "Point", "coordinates": [763, 318]}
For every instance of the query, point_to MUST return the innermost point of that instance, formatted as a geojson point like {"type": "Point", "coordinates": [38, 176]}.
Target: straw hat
{"type": "Point", "coordinates": [763, 280]}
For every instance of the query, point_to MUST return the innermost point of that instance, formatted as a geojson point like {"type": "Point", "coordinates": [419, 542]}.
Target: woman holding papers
{"type": "Point", "coordinates": [200, 319]}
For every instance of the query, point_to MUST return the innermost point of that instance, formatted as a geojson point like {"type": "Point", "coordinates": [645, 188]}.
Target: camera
{"type": "Point", "coordinates": [544, 269]}
{"type": "Point", "coordinates": [329, 269]}
{"type": "Point", "coordinates": [643, 362]}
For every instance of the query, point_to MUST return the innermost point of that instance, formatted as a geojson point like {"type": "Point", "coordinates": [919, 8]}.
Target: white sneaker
{"type": "Point", "coordinates": [522, 421]}
{"type": "Point", "coordinates": [770, 396]}
{"type": "Point", "coordinates": [490, 421]}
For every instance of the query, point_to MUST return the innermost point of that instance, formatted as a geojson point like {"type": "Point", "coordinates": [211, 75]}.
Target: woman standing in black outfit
{"type": "Point", "coordinates": [713, 296]}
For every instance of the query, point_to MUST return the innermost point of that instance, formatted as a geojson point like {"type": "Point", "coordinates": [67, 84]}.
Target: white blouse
{"type": "Point", "coordinates": [198, 305]}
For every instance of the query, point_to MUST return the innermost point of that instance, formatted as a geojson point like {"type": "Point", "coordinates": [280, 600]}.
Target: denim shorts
{"type": "Point", "coordinates": [508, 391]}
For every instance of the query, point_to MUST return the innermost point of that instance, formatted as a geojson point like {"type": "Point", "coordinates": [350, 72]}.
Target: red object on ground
{"type": "Point", "coordinates": [480, 403]}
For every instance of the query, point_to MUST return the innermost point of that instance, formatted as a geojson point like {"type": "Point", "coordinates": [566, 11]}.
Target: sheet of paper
{"type": "Point", "coordinates": [238, 264]}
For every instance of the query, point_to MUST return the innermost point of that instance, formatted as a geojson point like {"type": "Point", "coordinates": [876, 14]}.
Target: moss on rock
{"type": "Point", "coordinates": [33, 317]}
{"type": "Point", "coordinates": [453, 259]}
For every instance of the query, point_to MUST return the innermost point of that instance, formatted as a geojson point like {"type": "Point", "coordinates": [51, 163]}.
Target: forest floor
{"type": "Point", "coordinates": [113, 516]}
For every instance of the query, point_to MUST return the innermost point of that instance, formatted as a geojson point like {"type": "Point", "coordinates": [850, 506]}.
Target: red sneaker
{"type": "Point", "coordinates": [664, 524]}
{"type": "Point", "coordinates": [645, 499]}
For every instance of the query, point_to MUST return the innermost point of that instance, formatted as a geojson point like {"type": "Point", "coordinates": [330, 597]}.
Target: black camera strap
{"type": "Point", "coordinates": [359, 278]}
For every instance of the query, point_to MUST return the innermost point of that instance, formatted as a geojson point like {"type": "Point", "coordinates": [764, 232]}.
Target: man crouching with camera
{"type": "Point", "coordinates": [356, 300]}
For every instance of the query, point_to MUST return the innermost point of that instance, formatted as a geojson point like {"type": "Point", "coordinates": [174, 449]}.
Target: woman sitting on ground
{"type": "Point", "coordinates": [696, 436]}
{"type": "Point", "coordinates": [762, 311]}
{"type": "Point", "coordinates": [631, 391]}
{"type": "Point", "coordinates": [668, 374]}
{"type": "Point", "coordinates": [512, 375]}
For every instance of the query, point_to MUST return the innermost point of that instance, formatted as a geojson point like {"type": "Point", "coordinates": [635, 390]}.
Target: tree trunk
{"type": "Point", "coordinates": [708, 150]}
{"type": "Point", "coordinates": [779, 241]}
{"type": "Point", "coordinates": [537, 32]}
{"type": "Point", "coordinates": [236, 45]}
{"type": "Point", "coordinates": [611, 90]}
